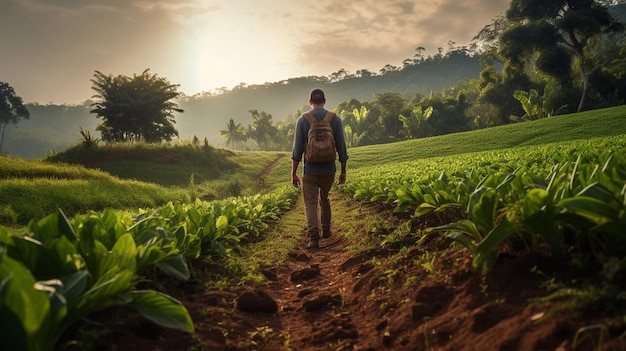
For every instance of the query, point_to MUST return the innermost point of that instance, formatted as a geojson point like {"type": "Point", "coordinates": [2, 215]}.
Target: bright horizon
{"type": "Point", "coordinates": [52, 50]}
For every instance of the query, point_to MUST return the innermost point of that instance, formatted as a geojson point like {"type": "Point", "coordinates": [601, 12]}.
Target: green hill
{"type": "Point", "coordinates": [584, 125]}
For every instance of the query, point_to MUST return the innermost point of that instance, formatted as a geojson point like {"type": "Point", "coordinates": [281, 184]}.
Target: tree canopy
{"type": "Point", "coordinates": [235, 134]}
{"type": "Point", "coordinates": [11, 109]}
{"type": "Point", "coordinates": [553, 32]}
{"type": "Point", "coordinates": [137, 108]}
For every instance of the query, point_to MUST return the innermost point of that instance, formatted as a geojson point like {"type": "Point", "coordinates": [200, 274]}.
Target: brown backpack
{"type": "Point", "coordinates": [320, 146]}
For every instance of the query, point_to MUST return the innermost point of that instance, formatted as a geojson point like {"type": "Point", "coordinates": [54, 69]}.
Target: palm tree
{"type": "Point", "coordinates": [235, 134]}
{"type": "Point", "coordinates": [358, 127]}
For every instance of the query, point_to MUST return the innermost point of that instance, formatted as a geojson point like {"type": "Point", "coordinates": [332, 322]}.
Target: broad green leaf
{"type": "Point", "coordinates": [222, 222]}
{"type": "Point", "coordinates": [74, 285]}
{"type": "Point", "coordinates": [423, 209]}
{"type": "Point", "coordinates": [13, 327]}
{"type": "Point", "coordinates": [119, 264]}
{"type": "Point", "coordinates": [429, 198]}
{"type": "Point", "coordinates": [377, 198]}
{"type": "Point", "coordinates": [65, 227]}
{"type": "Point", "coordinates": [597, 192]}
{"type": "Point", "coordinates": [509, 178]}
{"type": "Point", "coordinates": [465, 226]}
{"type": "Point", "coordinates": [574, 174]}
{"type": "Point", "coordinates": [68, 255]}
{"type": "Point", "coordinates": [402, 207]}
{"type": "Point", "coordinates": [487, 249]}
{"type": "Point", "coordinates": [148, 256]}
{"type": "Point", "coordinates": [126, 250]}
{"type": "Point", "coordinates": [104, 294]}
{"type": "Point", "coordinates": [482, 208]}
{"type": "Point", "coordinates": [597, 211]}
{"type": "Point", "coordinates": [449, 206]}
{"type": "Point", "coordinates": [22, 303]}
{"type": "Point", "coordinates": [41, 261]}
{"type": "Point", "coordinates": [539, 217]}
{"type": "Point", "coordinates": [46, 228]}
{"type": "Point", "coordinates": [58, 303]}
{"type": "Point", "coordinates": [462, 239]}
{"type": "Point", "coordinates": [162, 309]}
{"type": "Point", "coordinates": [175, 266]}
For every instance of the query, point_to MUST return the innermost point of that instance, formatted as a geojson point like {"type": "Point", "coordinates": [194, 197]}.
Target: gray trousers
{"type": "Point", "coordinates": [315, 190]}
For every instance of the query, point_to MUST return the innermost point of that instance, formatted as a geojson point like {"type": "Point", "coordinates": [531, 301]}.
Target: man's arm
{"type": "Point", "coordinates": [295, 180]}
{"type": "Point", "coordinates": [342, 175]}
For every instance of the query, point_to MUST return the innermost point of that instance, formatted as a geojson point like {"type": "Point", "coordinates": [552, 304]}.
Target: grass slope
{"type": "Point", "coordinates": [585, 125]}
{"type": "Point", "coordinates": [124, 177]}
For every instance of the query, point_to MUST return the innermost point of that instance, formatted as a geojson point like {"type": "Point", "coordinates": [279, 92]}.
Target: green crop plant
{"type": "Point", "coordinates": [569, 196]}
{"type": "Point", "coordinates": [63, 270]}
{"type": "Point", "coordinates": [68, 277]}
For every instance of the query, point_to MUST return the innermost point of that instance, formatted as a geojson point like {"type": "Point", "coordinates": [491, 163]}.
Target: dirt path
{"type": "Point", "coordinates": [260, 177]}
{"type": "Point", "coordinates": [311, 291]}
{"type": "Point", "coordinates": [428, 298]}
{"type": "Point", "coordinates": [304, 305]}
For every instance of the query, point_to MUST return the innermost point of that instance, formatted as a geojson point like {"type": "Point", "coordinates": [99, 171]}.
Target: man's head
{"type": "Point", "coordinates": [317, 96]}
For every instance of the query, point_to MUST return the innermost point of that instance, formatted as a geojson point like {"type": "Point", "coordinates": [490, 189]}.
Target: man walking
{"type": "Point", "coordinates": [318, 171]}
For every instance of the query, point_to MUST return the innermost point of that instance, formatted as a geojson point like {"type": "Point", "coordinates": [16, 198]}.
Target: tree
{"type": "Point", "coordinates": [355, 125]}
{"type": "Point", "coordinates": [360, 126]}
{"type": "Point", "coordinates": [137, 108]}
{"type": "Point", "coordinates": [553, 32]}
{"type": "Point", "coordinates": [532, 104]}
{"type": "Point", "coordinates": [448, 113]}
{"type": "Point", "coordinates": [389, 107]}
{"type": "Point", "coordinates": [11, 109]}
{"type": "Point", "coordinates": [263, 131]}
{"type": "Point", "coordinates": [285, 133]}
{"type": "Point", "coordinates": [416, 124]}
{"type": "Point", "coordinates": [235, 134]}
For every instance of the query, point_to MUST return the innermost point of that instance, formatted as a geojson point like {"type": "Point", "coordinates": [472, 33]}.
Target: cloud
{"type": "Point", "coordinates": [54, 47]}
{"type": "Point", "coordinates": [371, 34]}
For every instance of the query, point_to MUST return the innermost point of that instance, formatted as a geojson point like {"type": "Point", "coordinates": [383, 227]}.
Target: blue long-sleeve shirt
{"type": "Point", "coordinates": [300, 140]}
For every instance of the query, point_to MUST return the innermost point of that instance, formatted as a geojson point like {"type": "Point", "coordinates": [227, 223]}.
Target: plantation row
{"type": "Point", "coordinates": [69, 268]}
{"type": "Point", "coordinates": [568, 196]}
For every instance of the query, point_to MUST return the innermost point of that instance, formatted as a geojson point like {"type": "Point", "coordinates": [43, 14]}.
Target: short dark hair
{"type": "Point", "coordinates": [317, 96]}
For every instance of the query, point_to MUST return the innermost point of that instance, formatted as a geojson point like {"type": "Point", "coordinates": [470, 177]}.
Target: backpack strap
{"type": "Point", "coordinates": [309, 117]}
{"type": "Point", "coordinates": [312, 120]}
{"type": "Point", "coordinates": [329, 116]}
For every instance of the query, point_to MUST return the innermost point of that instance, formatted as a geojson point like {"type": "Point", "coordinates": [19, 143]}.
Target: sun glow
{"type": "Point", "coordinates": [232, 47]}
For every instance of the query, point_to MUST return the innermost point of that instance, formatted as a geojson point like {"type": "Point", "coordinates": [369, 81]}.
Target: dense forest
{"type": "Point", "coordinates": [510, 73]}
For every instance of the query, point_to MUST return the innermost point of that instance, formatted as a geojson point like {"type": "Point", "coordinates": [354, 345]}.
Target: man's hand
{"type": "Point", "coordinates": [295, 180]}
{"type": "Point", "coordinates": [342, 178]}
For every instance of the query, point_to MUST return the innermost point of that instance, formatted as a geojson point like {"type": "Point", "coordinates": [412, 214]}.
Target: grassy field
{"type": "Point", "coordinates": [126, 177]}
{"type": "Point", "coordinates": [585, 125]}
{"type": "Point", "coordinates": [138, 176]}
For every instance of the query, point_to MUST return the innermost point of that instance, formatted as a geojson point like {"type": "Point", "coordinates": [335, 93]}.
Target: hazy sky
{"type": "Point", "coordinates": [50, 49]}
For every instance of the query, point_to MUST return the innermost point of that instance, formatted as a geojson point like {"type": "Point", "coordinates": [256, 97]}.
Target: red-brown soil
{"type": "Point", "coordinates": [332, 299]}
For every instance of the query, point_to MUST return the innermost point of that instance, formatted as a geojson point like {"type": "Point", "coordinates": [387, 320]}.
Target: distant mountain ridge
{"type": "Point", "coordinates": [55, 127]}
{"type": "Point", "coordinates": [210, 114]}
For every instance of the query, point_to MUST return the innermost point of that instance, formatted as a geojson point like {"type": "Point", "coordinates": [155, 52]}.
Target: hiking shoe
{"type": "Point", "coordinates": [313, 244]}
{"type": "Point", "coordinates": [326, 235]}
